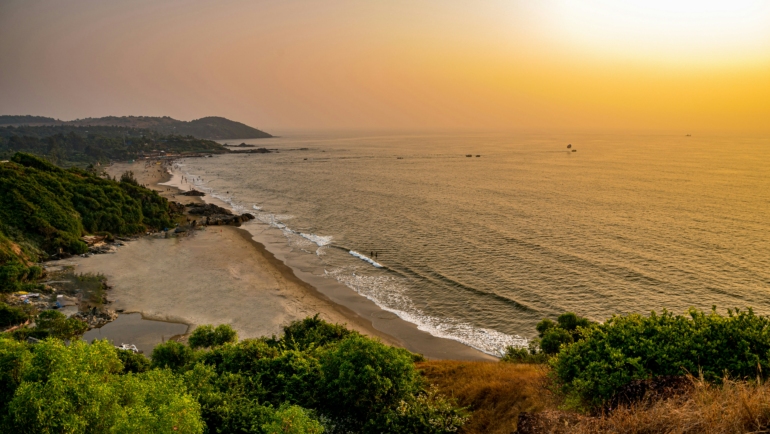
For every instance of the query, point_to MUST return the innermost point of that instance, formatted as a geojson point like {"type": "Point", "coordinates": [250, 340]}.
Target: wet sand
{"type": "Point", "coordinates": [219, 275]}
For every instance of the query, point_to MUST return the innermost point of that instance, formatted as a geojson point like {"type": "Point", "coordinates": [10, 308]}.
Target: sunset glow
{"type": "Point", "coordinates": [650, 65]}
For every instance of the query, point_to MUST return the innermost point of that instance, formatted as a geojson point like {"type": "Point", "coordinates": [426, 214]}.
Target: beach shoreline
{"type": "Point", "coordinates": [221, 274]}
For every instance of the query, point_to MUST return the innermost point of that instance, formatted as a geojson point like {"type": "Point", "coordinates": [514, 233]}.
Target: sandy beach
{"type": "Point", "coordinates": [219, 274]}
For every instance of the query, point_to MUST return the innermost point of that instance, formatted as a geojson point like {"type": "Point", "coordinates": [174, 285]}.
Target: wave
{"type": "Point", "coordinates": [274, 220]}
{"type": "Point", "coordinates": [320, 240]}
{"type": "Point", "coordinates": [365, 258]}
{"type": "Point", "coordinates": [389, 293]}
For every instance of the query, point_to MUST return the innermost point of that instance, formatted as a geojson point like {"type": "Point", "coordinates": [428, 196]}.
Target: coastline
{"type": "Point", "coordinates": [221, 274]}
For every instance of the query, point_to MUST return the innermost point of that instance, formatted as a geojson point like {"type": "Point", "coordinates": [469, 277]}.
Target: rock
{"type": "Point", "coordinates": [193, 193]}
{"type": "Point", "coordinates": [207, 209]}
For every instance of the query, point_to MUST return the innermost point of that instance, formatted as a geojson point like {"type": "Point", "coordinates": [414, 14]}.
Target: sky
{"type": "Point", "coordinates": [683, 66]}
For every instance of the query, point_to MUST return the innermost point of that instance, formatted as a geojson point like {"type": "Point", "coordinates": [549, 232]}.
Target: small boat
{"type": "Point", "coordinates": [469, 155]}
{"type": "Point", "coordinates": [477, 156]}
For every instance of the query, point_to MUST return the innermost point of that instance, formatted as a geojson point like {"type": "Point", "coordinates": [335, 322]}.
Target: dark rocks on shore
{"type": "Point", "coordinates": [242, 145]}
{"type": "Point", "coordinates": [193, 193]}
{"type": "Point", "coordinates": [216, 215]}
{"type": "Point", "coordinates": [207, 209]}
{"type": "Point", "coordinates": [252, 151]}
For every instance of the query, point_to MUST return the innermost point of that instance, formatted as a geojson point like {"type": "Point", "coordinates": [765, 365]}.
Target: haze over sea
{"type": "Point", "coordinates": [480, 249]}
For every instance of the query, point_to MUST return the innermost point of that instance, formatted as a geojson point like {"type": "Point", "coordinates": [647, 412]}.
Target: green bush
{"type": "Point", "coordinates": [429, 413]}
{"type": "Point", "coordinates": [311, 332]}
{"type": "Point", "coordinates": [292, 419]}
{"type": "Point", "coordinates": [172, 355]}
{"type": "Point", "coordinates": [47, 209]}
{"type": "Point", "coordinates": [567, 329]}
{"type": "Point", "coordinates": [10, 316]}
{"type": "Point", "coordinates": [57, 325]}
{"type": "Point", "coordinates": [364, 380]}
{"type": "Point", "coordinates": [259, 386]}
{"type": "Point", "coordinates": [207, 336]}
{"type": "Point", "coordinates": [523, 355]}
{"type": "Point", "coordinates": [77, 388]}
{"type": "Point", "coordinates": [632, 347]}
{"type": "Point", "coordinates": [133, 362]}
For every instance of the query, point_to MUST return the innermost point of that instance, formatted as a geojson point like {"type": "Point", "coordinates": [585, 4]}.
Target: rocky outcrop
{"type": "Point", "coordinates": [216, 215]}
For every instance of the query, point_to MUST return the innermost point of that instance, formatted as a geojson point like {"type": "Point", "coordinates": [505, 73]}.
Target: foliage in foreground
{"type": "Point", "coordinates": [336, 382]}
{"type": "Point", "coordinates": [632, 347]}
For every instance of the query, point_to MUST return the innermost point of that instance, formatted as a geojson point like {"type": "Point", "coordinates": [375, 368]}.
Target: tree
{"type": "Point", "coordinates": [363, 380]}
{"type": "Point", "coordinates": [172, 355]}
{"type": "Point", "coordinates": [207, 336]}
{"type": "Point", "coordinates": [57, 325]}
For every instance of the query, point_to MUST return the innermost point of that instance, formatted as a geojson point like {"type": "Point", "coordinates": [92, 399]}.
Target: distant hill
{"type": "Point", "coordinates": [73, 145]}
{"type": "Point", "coordinates": [28, 120]}
{"type": "Point", "coordinates": [211, 127]}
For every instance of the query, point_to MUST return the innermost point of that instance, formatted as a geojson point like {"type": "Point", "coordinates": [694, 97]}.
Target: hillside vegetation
{"type": "Point", "coordinates": [71, 145]}
{"type": "Point", "coordinates": [211, 127]}
{"type": "Point", "coordinates": [45, 209]}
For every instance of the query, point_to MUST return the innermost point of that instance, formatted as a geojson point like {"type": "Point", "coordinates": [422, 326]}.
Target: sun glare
{"type": "Point", "coordinates": [712, 31]}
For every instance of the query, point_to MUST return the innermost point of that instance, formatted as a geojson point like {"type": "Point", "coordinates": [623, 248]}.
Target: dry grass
{"type": "Point", "coordinates": [495, 392]}
{"type": "Point", "coordinates": [734, 407]}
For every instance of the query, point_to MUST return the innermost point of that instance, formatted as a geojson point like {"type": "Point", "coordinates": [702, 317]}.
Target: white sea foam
{"type": "Point", "coordinates": [365, 258]}
{"type": "Point", "coordinates": [274, 220]}
{"type": "Point", "coordinates": [320, 240]}
{"type": "Point", "coordinates": [389, 293]}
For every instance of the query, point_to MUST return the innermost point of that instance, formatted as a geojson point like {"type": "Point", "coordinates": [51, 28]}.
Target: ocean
{"type": "Point", "coordinates": [478, 236]}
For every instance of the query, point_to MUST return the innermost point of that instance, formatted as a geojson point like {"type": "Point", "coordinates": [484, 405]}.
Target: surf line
{"type": "Point", "coordinates": [365, 258]}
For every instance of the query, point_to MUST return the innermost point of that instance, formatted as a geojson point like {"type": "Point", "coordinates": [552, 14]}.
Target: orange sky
{"type": "Point", "coordinates": [592, 64]}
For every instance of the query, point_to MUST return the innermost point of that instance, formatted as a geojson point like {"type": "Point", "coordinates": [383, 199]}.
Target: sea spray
{"type": "Point", "coordinates": [388, 293]}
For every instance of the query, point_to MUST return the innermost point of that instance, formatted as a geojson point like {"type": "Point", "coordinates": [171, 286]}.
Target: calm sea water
{"type": "Point", "coordinates": [480, 249]}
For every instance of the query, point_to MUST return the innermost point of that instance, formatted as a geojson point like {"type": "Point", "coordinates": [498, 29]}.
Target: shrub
{"type": "Point", "coordinates": [57, 325]}
{"type": "Point", "coordinates": [76, 388]}
{"type": "Point", "coordinates": [523, 355]}
{"type": "Point", "coordinates": [207, 336]}
{"type": "Point", "coordinates": [429, 413]}
{"type": "Point", "coordinates": [128, 178]}
{"type": "Point", "coordinates": [10, 316]}
{"type": "Point", "coordinates": [363, 380]}
{"type": "Point", "coordinates": [172, 355]}
{"type": "Point", "coordinates": [568, 328]}
{"type": "Point", "coordinates": [132, 362]}
{"type": "Point", "coordinates": [632, 347]}
{"type": "Point", "coordinates": [292, 419]}
{"type": "Point", "coordinates": [312, 332]}
{"type": "Point", "coordinates": [553, 339]}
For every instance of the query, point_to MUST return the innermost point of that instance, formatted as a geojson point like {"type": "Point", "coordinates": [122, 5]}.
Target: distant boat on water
{"type": "Point", "coordinates": [689, 135]}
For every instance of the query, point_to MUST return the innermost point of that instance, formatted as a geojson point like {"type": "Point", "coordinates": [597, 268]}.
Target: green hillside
{"type": "Point", "coordinates": [68, 145]}
{"type": "Point", "coordinates": [45, 209]}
